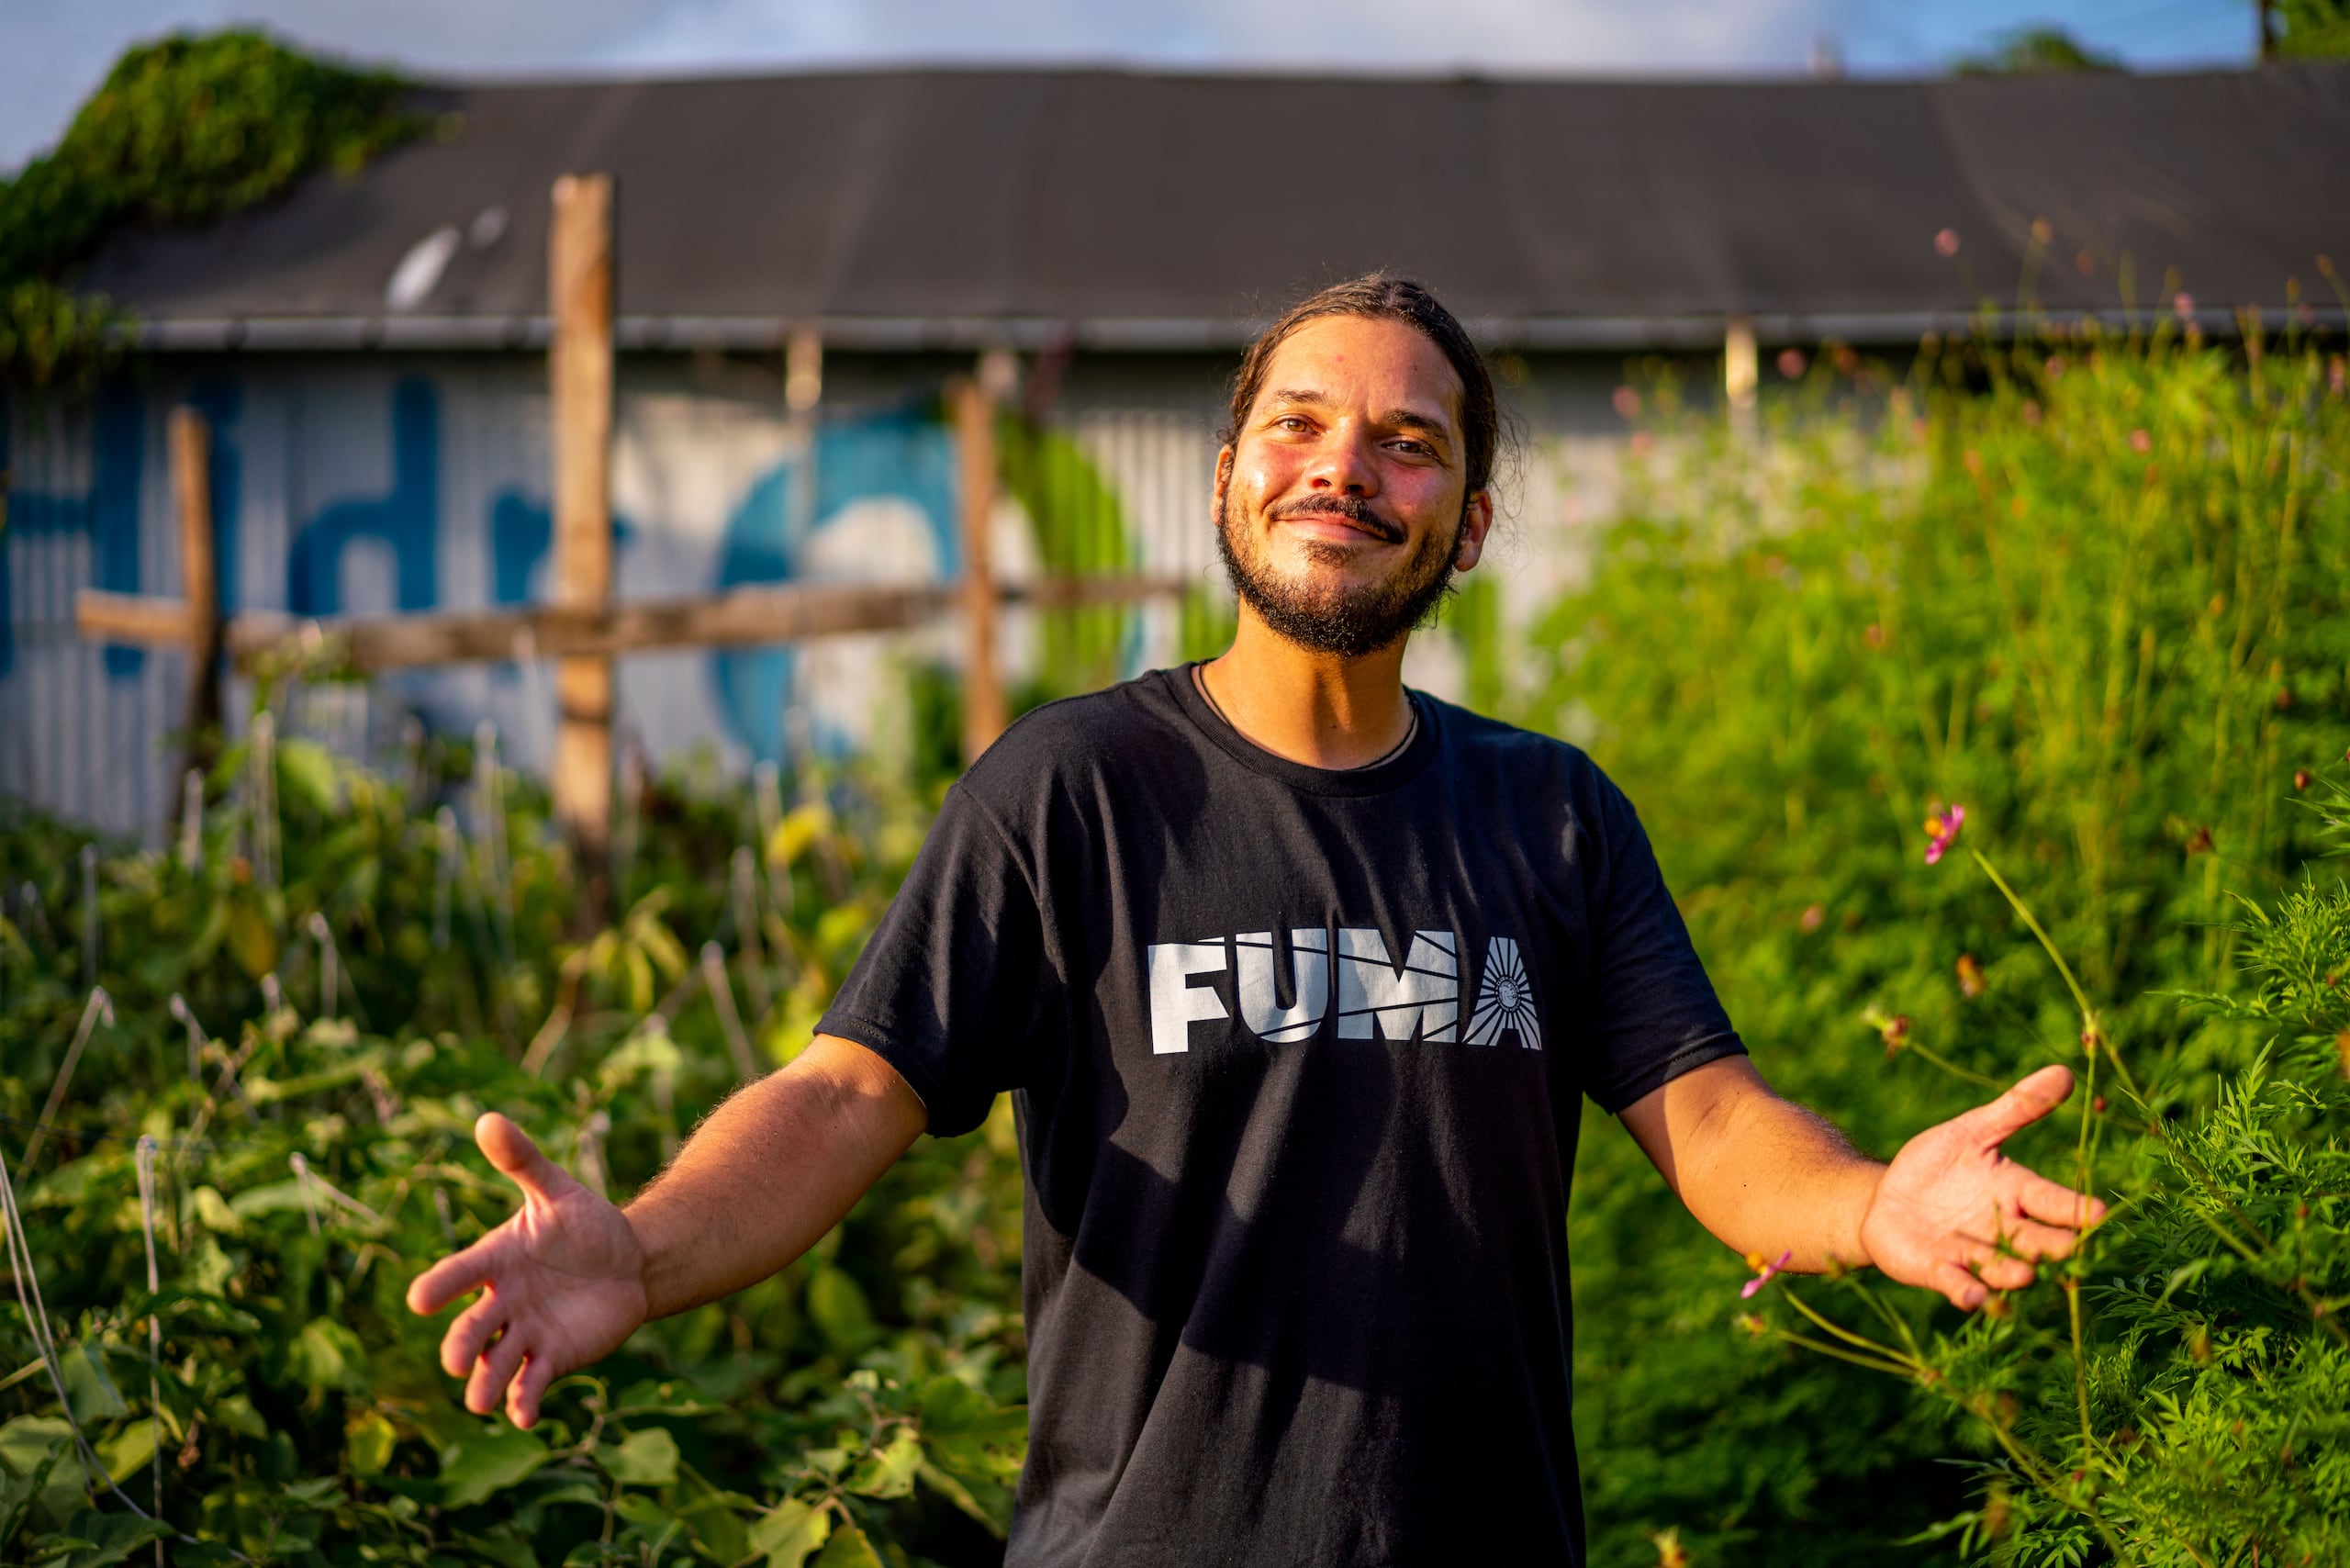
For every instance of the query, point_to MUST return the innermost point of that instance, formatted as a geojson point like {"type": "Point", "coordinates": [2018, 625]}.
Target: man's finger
{"type": "Point", "coordinates": [2022, 1106]}
{"type": "Point", "coordinates": [486, 1387]}
{"type": "Point", "coordinates": [2000, 1270]}
{"type": "Point", "coordinates": [2005, 1273]}
{"type": "Point", "coordinates": [2053, 1202]}
{"type": "Point", "coordinates": [461, 1345]}
{"type": "Point", "coordinates": [510, 1149]}
{"type": "Point", "coordinates": [1965, 1292]}
{"type": "Point", "coordinates": [2033, 1241]}
{"type": "Point", "coordinates": [456, 1274]}
{"type": "Point", "coordinates": [522, 1398]}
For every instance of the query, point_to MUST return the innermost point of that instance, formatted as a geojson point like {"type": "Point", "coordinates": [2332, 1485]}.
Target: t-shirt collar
{"type": "Point", "coordinates": [1401, 768]}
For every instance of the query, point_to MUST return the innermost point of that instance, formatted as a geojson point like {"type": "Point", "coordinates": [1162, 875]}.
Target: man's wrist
{"type": "Point", "coordinates": [1853, 1249]}
{"type": "Point", "coordinates": [661, 1292]}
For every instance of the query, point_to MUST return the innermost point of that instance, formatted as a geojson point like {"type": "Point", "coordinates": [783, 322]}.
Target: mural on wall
{"type": "Point", "coordinates": [368, 490]}
{"type": "Point", "coordinates": [104, 510]}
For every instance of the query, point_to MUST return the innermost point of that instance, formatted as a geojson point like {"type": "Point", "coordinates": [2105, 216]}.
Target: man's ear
{"type": "Point", "coordinates": [1476, 522]}
{"type": "Point", "coordinates": [1224, 457]}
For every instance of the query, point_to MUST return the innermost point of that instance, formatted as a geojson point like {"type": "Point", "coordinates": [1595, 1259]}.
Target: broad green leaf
{"type": "Point", "coordinates": [88, 1391]}
{"type": "Point", "coordinates": [889, 1473]}
{"type": "Point", "coordinates": [214, 1212]}
{"type": "Point", "coordinates": [306, 774]}
{"type": "Point", "coordinates": [848, 1549]}
{"type": "Point", "coordinates": [648, 1458]}
{"type": "Point", "coordinates": [127, 1452]}
{"type": "Point", "coordinates": [667, 1398]}
{"type": "Point", "coordinates": [202, 1311]}
{"type": "Point", "coordinates": [719, 1528]}
{"type": "Point", "coordinates": [270, 1197]}
{"type": "Point", "coordinates": [236, 1413]}
{"type": "Point", "coordinates": [327, 1355]}
{"type": "Point", "coordinates": [995, 1520]}
{"type": "Point", "coordinates": [789, 1533]}
{"type": "Point", "coordinates": [503, 1548]}
{"type": "Point", "coordinates": [838, 1305]}
{"type": "Point", "coordinates": [367, 1442]}
{"type": "Point", "coordinates": [486, 1461]}
{"type": "Point", "coordinates": [646, 1513]}
{"type": "Point", "coordinates": [794, 834]}
{"type": "Point", "coordinates": [110, 1538]}
{"type": "Point", "coordinates": [252, 941]}
{"type": "Point", "coordinates": [30, 1449]}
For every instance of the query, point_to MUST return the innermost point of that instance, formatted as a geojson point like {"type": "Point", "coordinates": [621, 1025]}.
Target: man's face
{"type": "Point", "coordinates": [1342, 503]}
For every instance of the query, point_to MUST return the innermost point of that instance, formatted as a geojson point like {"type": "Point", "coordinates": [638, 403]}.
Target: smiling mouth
{"type": "Point", "coordinates": [1355, 516]}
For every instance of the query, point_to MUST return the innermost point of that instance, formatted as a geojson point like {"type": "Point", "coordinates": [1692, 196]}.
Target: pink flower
{"type": "Point", "coordinates": [1627, 403]}
{"type": "Point", "coordinates": [1941, 832]}
{"type": "Point", "coordinates": [2183, 304]}
{"type": "Point", "coordinates": [2141, 442]}
{"type": "Point", "coordinates": [1791, 362]}
{"type": "Point", "coordinates": [1946, 242]}
{"type": "Point", "coordinates": [1764, 1272]}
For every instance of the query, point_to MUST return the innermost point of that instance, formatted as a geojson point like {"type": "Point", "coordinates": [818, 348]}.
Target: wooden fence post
{"type": "Point", "coordinates": [1741, 378]}
{"type": "Point", "coordinates": [984, 711]}
{"type": "Point", "coordinates": [579, 298]}
{"type": "Point", "coordinates": [191, 457]}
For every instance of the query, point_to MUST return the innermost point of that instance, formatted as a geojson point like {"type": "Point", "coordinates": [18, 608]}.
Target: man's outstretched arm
{"type": "Point", "coordinates": [568, 1276]}
{"type": "Point", "coordinates": [1951, 1213]}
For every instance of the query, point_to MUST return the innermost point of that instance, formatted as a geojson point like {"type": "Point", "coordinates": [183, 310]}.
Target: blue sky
{"type": "Point", "coordinates": [53, 51]}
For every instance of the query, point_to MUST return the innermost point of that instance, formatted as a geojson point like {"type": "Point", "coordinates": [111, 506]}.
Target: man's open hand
{"type": "Point", "coordinates": [1954, 1214]}
{"type": "Point", "coordinates": [562, 1283]}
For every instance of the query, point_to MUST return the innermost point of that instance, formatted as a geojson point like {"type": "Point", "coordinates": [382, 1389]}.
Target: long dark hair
{"type": "Point", "coordinates": [1386, 296]}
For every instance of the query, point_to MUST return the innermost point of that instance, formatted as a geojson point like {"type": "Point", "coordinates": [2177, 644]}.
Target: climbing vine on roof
{"type": "Point", "coordinates": [183, 132]}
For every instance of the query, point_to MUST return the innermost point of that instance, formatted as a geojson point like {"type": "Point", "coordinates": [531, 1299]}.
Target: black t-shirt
{"type": "Point", "coordinates": [1297, 1057]}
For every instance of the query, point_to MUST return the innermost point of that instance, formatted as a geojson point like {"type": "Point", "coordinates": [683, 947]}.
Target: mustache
{"type": "Point", "coordinates": [1354, 508]}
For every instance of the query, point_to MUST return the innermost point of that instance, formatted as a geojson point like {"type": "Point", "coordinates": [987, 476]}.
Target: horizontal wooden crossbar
{"type": "Point", "coordinates": [781, 613]}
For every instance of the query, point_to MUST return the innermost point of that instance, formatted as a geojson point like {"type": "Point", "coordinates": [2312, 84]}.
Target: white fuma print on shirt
{"type": "Point", "coordinates": [1377, 997]}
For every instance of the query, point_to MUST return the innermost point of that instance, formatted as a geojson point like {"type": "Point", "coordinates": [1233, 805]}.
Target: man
{"type": "Point", "coordinates": [1298, 980]}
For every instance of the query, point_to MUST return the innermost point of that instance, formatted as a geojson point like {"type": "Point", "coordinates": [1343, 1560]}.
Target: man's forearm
{"type": "Point", "coordinates": [1763, 1174]}
{"type": "Point", "coordinates": [769, 1171]}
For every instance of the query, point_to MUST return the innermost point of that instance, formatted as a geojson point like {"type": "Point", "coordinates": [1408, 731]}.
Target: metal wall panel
{"type": "Point", "coordinates": [387, 482]}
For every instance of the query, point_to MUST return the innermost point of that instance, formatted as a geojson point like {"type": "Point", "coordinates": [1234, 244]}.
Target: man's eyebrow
{"type": "Point", "coordinates": [1296, 397]}
{"type": "Point", "coordinates": [1412, 419]}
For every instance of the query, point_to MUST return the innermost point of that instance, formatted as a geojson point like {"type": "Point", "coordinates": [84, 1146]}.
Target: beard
{"type": "Point", "coordinates": [1346, 619]}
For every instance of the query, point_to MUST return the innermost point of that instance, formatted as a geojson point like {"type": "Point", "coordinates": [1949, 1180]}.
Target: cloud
{"type": "Point", "coordinates": [1511, 35]}
{"type": "Point", "coordinates": [52, 52]}
{"type": "Point", "coordinates": [55, 53]}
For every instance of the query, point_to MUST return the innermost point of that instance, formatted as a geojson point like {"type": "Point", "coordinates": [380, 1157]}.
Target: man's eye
{"type": "Point", "coordinates": [1417, 448]}
{"type": "Point", "coordinates": [1291, 423]}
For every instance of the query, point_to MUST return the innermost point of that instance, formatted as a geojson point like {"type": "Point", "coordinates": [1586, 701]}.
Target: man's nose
{"type": "Point", "coordinates": [1343, 464]}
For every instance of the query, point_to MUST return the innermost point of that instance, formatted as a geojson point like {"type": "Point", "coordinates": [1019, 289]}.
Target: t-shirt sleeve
{"type": "Point", "coordinates": [1655, 1014]}
{"type": "Point", "coordinates": [950, 989]}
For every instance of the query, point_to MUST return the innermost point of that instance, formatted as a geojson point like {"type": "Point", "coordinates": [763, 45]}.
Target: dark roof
{"type": "Point", "coordinates": [1134, 207]}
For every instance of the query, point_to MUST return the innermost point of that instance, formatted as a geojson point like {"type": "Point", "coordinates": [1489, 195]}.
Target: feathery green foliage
{"type": "Point", "coordinates": [183, 132]}
{"type": "Point", "coordinates": [2096, 588]}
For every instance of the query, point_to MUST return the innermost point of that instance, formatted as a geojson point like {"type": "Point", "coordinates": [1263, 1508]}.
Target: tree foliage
{"type": "Point", "coordinates": [182, 132]}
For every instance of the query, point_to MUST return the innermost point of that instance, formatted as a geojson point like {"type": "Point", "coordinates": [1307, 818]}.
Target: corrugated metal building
{"type": "Point", "coordinates": [371, 350]}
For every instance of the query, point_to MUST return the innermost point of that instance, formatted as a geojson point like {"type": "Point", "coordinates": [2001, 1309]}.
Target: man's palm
{"type": "Point", "coordinates": [562, 1283]}
{"type": "Point", "coordinates": [1954, 1214]}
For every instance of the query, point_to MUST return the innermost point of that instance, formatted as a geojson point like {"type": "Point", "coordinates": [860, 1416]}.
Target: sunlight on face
{"type": "Point", "coordinates": [1342, 506]}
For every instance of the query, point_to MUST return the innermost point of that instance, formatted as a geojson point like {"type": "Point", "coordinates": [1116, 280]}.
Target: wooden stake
{"type": "Point", "coordinates": [984, 711]}
{"type": "Point", "coordinates": [579, 296]}
{"type": "Point", "coordinates": [1740, 375]}
{"type": "Point", "coordinates": [191, 449]}
{"type": "Point", "coordinates": [763, 612]}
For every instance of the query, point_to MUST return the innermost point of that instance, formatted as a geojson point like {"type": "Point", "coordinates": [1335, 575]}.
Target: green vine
{"type": "Point", "coordinates": [183, 132]}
